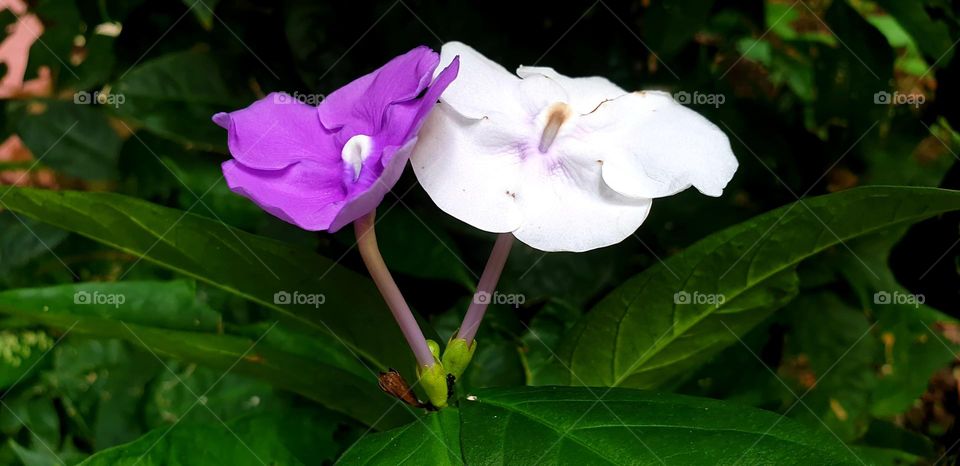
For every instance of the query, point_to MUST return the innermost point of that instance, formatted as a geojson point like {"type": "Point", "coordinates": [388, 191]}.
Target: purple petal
{"type": "Point", "coordinates": [405, 118]}
{"type": "Point", "coordinates": [306, 194]}
{"type": "Point", "coordinates": [277, 131]}
{"type": "Point", "coordinates": [361, 105]}
{"type": "Point", "coordinates": [287, 155]}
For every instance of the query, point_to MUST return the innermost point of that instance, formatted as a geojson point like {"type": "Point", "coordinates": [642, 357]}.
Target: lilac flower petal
{"type": "Point", "coordinates": [404, 119]}
{"type": "Point", "coordinates": [277, 131]}
{"type": "Point", "coordinates": [323, 167]}
{"type": "Point", "coordinates": [362, 104]}
{"type": "Point", "coordinates": [306, 194]}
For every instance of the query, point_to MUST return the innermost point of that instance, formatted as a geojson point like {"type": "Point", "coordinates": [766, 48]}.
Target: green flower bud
{"type": "Point", "coordinates": [458, 355]}
{"type": "Point", "coordinates": [433, 379]}
{"type": "Point", "coordinates": [434, 348]}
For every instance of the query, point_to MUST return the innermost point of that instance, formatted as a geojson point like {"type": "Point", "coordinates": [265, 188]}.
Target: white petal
{"type": "Point", "coordinates": [490, 174]}
{"type": "Point", "coordinates": [573, 210]}
{"type": "Point", "coordinates": [469, 167]}
{"type": "Point", "coordinates": [585, 93]}
{"type": "Point", "coordinates": [482, 86]}
{"type": "Point", "coordinates": [654, 147]}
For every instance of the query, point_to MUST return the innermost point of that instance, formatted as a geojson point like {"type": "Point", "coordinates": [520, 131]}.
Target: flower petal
{"type": "Point", "coordinates": [585, 93]}
{"type": "Point", "coordinates": [404, 119]}
{"type": "Point", "coordinates": [482, 87]}
{"type": "Point", "coordinates": [654, 147]}
{"type": "Point", "coordinates": [572, 210]}
{"type": "Point", "coordinates": [469, 168]}
{"type": "Point", "coordinates": [483, 173]}
{"type": "Point", "coordinates": [365, 201]}
{"type": "Point", "coordinates": [275, 132]}
{"type": "Point", "coordinates": [362, 103]}
{"type": "Point", "coordinates": [306, 194]}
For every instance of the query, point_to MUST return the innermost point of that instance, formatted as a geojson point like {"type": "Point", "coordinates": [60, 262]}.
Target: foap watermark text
{"type": "Point", "coordinates": [699, 98]}
{"type": "Point", "coordinates": [98, 298]}
{"type": "Point", "coordinates": [909, 299]}
{"type": "Point", "coordinates": [97, 97]}
{"type": "Point", "coordinates": [898, 98]}
{"type": "Point", "coordinates": [286, 298]}
{"type": "Point", "coordinates": [309, 99]}
{"type": "Point", "coordinates": [509, 299]}
{"type": "Point", "coordinates": [686, 297]}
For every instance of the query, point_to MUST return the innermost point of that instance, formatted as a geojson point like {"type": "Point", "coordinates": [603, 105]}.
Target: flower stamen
{"type": "Point", "coordinates": [355, 151]}
{"type": "Point", "coordinates": [557, 114]}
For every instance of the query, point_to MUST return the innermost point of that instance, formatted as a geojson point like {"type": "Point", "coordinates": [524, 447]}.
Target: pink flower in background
{"type": "Point", "coordinates": [15, 52]}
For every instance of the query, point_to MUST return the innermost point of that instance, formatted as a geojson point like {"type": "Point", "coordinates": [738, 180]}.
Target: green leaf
{"type": "Point", "coordinates": [567, 425]}
{"type": "Point", "coordinates": [21, 242]}
{"type": "Point", "coordinates": [433, 439]}
{"type": "Point", "coordinates": [849, 74]}
{"type": "Point", "coordinates": [73, 138]}
{"type": "Point", "coordinates": [248, 441]}
{"type": "Point", "coordinates": [640, 336]}
{"type": "Point", "coordinates": [833, 343]}
{"type": "Point", "coordinates": [542, 337]}
{"type": "Point", "coordinates": [159, 95]}
{"type": "Point", "coordinates": [172, 305]}
{"type": "Point", "coordinates": [915, 346]}
{"type": "Point", "coordinates": [249, 266]}
{"type": "Point", "coordinates": [161, 317]}
{"type": "Point", "coordinates": [933, 37]}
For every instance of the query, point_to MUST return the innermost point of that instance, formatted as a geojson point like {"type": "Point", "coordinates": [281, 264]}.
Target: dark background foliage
{"type": "Point", "coordinates": [798, 81]}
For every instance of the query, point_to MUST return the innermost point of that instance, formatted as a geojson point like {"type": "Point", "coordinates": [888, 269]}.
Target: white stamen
{"type": "Point", "coordinates": [355, 151]}
{"type": "Point", "coordinates": [557, 114]}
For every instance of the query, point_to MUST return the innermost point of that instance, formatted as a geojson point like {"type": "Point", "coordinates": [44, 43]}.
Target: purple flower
{"type": "Point", "coordinates": [323, 167]}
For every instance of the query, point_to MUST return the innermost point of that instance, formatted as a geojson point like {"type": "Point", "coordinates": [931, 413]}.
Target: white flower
{"type": "Point", "coordinates": [566, 164]}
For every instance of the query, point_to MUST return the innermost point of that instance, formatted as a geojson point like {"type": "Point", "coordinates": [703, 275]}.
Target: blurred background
{"type": "Point", "coordinates": [817, 96]}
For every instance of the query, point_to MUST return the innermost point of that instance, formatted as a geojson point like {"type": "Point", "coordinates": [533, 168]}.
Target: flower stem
{"type": "Point", "coordinates": [367, 243]}
{"type": "Point", "coordinates": [485, 289]}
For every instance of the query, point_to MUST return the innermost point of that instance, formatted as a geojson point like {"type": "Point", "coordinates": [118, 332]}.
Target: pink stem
{"type": "Point", "coordinates": [486, 287]}
{"type": "Point", "coordinates": [367, 243]}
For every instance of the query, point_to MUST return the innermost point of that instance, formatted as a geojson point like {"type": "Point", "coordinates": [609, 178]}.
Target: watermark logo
{"type": "Point", "coordinates": [685, 297]}
{"type": "Point", "coordinates": [96, 297]}
{"type": "Point", "coordinates": [282, 98]}
{"type": "Point", "coordinates": [97, 97]}
{"type": "Point", "coordinates": [698, 98]}
{"type": "Point", "coordinates": [285, 298]}
{"type": "Point", "coordinates": [897, 98]}
{"type": "Point", "coordinates": [909, 299]}
{"type": "Point", "coordinates": [509, 299]}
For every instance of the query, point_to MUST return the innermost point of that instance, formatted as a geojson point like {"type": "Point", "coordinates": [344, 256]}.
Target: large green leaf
{"type": "Point", "coordinates": [911, 332]}
{"type": "Point", "coordinates": [171, 305]}
{"type": "Point", "coordinates": [568, 425]}
{"type": "Point", "coordinates": [251, 441]}
{"type": "Point", "coordinates": [641, 335]}
{"type": "Point", "coordinates": [434, 440]}
{"type": "Point", "coordinates": [250, 266]}
{"type": "Point", "coordinates": [164, 318]}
